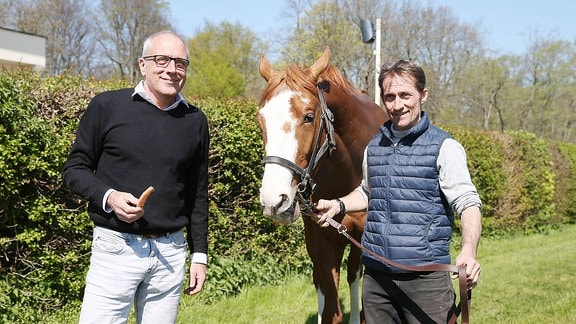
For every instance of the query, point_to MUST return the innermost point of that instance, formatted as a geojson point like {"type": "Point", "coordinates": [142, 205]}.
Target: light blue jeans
{"type": "Point", "coordinates": [128, 269]}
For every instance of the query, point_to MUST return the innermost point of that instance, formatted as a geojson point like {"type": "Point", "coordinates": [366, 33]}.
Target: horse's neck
{"type": "Point", "coordinates": [356, 120]}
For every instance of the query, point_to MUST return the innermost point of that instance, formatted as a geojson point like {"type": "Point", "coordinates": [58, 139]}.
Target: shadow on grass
{"type": "Point", "coordinates": [313, 319]}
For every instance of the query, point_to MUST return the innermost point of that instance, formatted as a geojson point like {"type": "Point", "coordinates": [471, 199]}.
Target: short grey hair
{"type": "Point", "coordinates": [149, 39]}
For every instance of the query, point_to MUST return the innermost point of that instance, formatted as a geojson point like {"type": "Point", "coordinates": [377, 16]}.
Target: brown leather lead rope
{"type": "Point", "coordinates": [464, 307]}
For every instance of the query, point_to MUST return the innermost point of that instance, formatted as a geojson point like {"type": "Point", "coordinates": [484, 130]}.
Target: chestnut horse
{"type": "Point", "coordinates": [315, 126]}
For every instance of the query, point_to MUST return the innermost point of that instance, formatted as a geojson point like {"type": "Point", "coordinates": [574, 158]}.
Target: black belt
{"type": "Point", "coordinates": [157, 234]}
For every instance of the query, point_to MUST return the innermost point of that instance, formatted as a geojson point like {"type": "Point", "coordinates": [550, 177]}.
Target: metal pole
{"type": "Point", "coordinates": [377, 60]}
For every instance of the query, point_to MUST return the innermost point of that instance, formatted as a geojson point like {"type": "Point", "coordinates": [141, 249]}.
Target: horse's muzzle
{"type": "Point", "coordinates": [286, 217]}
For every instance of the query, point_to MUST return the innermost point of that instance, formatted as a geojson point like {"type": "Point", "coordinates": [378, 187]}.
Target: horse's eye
{"type": "Point", "coordinates": [309, 118]}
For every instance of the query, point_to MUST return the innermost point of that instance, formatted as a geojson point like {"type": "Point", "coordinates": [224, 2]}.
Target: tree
{"type": "Point", "coordinates": [7, 13]}
{"type": "Point", "coordinates": [433, 38]}
{"type": "Point", "coordinates": [549, 78]}
{"type": "Point", "coordinates": [224, 62]}
{"type": "Point", "coordinates": [363, 66]}
{"type": "Point", "coordinates": [430, 36]}
{"type": "Point", "coordinates": [482, 98]}
{"type": "Point", "coordinates": [67, 25]}
{"type": "Point", "coordinates": [323, 24]}
{"type": "Point", "coordinates": [123, 26]}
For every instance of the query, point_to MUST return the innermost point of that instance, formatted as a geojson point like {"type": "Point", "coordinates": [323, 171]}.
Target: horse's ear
{"type": "Point", "coordinates": [266, 70]}
{"type": "Point", "coordinates": [319, 66]}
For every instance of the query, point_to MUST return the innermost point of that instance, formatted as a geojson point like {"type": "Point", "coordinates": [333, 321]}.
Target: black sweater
{"type": "Point", "coordinates": [127, 144]}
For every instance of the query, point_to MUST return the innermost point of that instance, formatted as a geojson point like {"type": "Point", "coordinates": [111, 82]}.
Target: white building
{"type": "Point", "coordinates": [22, 49]}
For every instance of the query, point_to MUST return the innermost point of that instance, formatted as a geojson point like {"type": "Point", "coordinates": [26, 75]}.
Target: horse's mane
{"type": "Point", "coordinates": [297, 78]}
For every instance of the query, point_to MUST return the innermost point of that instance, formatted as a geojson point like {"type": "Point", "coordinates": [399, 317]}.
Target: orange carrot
{"type": "Point", "coordinates": [144, 196]}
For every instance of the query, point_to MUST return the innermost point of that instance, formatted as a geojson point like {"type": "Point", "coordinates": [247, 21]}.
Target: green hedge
{"type": "Point", "coordinates": [42, 236]}
{"type": "Point", "coordinates": [526, 184]}
{"type": "Point", "coordinates": [564, 165]}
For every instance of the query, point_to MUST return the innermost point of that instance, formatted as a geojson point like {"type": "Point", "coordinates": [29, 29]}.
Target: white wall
{"type": "Point", "coordinates": [17, 48]}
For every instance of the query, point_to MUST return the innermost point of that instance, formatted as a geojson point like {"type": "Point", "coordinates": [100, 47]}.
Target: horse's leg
{"type": "Point", "coordinates": [320, 298]}
{"type": "Point", "coordinates": [326, 257]}
{"type": "Point", "coordinates": [319, 284]}
{"type": "Point", "coordinates": [354, 274]}
{"type": "Point", "coordinates": [355, 225]}
{"type": "Point", "coordinates": [329, 310]}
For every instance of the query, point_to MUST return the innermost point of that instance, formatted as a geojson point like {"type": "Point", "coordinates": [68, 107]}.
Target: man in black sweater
{"type": "Point", "coordinates": [129, 140]}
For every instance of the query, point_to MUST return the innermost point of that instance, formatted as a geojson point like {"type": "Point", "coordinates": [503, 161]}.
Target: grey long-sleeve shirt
{"type": "Point", "coordinates": [455, 181]}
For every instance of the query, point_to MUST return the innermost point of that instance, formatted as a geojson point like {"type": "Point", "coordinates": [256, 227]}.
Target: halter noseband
{"type": "Point", "coordinates": [306, 185]}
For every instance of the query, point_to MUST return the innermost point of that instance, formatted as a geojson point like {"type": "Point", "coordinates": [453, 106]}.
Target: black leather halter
{"type": "Point", "coordinates": [306, 185]}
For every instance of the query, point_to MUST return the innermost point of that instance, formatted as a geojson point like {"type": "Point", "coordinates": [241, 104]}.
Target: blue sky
{"type": "Point", "coordinates": [507, 24]}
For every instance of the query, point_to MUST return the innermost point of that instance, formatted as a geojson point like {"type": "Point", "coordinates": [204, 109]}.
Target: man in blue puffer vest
{"type": "Point", "coordinates": [415, 176]}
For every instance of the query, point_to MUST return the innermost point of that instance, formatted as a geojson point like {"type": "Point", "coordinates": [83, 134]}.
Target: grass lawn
{"type": "Point", "coordinates": [529, 279]}
{"type": "Point", "coordinates": [525, 279]}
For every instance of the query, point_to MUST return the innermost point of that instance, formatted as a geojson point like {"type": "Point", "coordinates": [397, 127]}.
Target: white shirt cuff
{"type": "Point", "coordinates": [105, 199]}
{"type": "Point", "coordinates": [199, 258]}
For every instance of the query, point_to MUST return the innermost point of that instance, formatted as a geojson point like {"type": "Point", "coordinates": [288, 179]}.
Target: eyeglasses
{"type": "Point", "coordinates": [163, 61]}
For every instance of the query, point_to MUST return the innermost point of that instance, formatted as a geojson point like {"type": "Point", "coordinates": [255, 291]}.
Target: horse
{"type": "Point", "coordinates": [315, 126]}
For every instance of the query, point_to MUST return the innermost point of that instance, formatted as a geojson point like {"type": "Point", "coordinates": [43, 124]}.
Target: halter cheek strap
{"type": "Point", "coordinates": [328, 122]}
{"type": "Point", "coordinates": [306, 185]}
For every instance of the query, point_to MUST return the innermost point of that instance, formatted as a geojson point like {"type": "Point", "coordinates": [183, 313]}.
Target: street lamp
{"type": "Point", "coordinates": [371, 33]}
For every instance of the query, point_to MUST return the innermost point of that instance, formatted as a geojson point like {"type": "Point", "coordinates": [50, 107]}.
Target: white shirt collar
{"type": "Point", "coordinates": [139, 90]}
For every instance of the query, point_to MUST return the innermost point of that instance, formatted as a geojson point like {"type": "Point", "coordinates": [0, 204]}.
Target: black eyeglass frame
{"type": "Point", "coordinates": [184, 63]}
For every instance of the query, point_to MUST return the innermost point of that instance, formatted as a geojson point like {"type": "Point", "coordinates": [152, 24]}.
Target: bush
{"type": "Point", "coordinates": [43, 239]}
{"type": "Point", "coordinates": [486, 163]}
{"type": "Point", "coordinates": [564, 165]}
{"type": "Point", "coordinates": [529, 202]}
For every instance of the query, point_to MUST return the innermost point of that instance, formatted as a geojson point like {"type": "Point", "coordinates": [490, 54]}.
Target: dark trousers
{"type": "Point", "coordinates": [407, 297]}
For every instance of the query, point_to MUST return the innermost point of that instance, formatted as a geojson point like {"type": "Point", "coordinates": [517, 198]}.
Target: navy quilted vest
{"type": "Point", "coordinates": [409, 220]}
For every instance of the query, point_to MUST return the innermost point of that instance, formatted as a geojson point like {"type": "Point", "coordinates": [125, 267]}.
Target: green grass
{"type": "Point", "coordinates": [528, 279]}
{"type": "Point", "coordinates": [292, 302]}
{"type": "Point", "coordinates": [524, 279]}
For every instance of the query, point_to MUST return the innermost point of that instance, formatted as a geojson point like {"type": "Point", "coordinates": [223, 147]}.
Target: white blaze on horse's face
{"type": "Point", "coordinates": [278, 188]}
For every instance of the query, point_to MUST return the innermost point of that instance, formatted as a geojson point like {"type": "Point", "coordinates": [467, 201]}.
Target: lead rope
{"type": "Point", "coordinates": [462, 307]}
